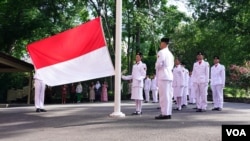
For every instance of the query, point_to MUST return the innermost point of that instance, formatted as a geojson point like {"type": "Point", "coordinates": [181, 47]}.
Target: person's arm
{"type": "Point", "coordinates": [128, 77]}
{"type": "Point", "coordinates": [207, 72]}
{"type": "Point", "coordinates": [223, 75]}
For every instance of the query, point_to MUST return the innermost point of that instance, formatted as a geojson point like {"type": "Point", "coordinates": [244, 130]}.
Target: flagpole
{"type": "Point", "coordinates": [118, 37]}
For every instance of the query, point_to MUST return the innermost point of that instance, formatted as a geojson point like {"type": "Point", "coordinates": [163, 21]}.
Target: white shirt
{"type": "Point", "coordinates": [178, 74]}
{"type": "Point", "coordinates": [201, 72]}
{"type": "Point", "coordinates": [218, 75]}
{"type": "Point", "coordinates": [147, 84]}
{"type": "Point", "coordinates": [79, 88]}
{"type": "Point", "coordinates": [138, 74]}
{"type": "Point", "coordinates": [154, 84]}
{"type": "Point", "coordinates": [164, 65]}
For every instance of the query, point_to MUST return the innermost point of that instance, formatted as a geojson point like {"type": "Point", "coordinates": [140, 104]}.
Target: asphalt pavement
{"type": "Point", "coordinates": [92, 122]}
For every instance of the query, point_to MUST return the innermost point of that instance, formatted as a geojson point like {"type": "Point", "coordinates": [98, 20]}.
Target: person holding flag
{"type": "Point", "coordinates": [137, 77]}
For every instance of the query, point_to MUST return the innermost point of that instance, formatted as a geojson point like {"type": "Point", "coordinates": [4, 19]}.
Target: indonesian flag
{"type": "Point", "coordinates": [74, 55]}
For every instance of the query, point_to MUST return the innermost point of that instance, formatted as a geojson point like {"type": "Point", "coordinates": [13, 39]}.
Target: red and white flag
{"type": "Point", "coordinates": [74, 55]}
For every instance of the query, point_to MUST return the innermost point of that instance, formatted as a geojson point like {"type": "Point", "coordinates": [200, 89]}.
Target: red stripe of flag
{"type": "Point", "coordinates": [68, 44]}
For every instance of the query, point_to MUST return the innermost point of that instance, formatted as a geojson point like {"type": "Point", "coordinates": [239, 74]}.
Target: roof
{"type": "Point", "coordinates": [11, 64]}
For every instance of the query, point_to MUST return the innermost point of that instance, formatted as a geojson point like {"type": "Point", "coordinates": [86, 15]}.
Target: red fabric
{"type": "Point", "coordinates": [68, 44]}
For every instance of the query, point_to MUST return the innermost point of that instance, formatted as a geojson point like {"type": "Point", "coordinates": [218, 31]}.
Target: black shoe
{"type": "Point", "coordinates": [177, 109]}
{"type": "Point", "coordinates": [145, 101]}
{"type": "Point", "coordinates": [163, 117]}
{"type": "Point", "coordinates": [137, 113]}
{"type": "Point", "coordinates": [215, 109]}
{"type": "Point", "coordinates": [183, 106]}
{"type": "Point", "coordinates": [158, 107]}
{"type": "Point", "coordinates": [195, 108]}
{"type": "Point", "coordinates": [37, 110]}
{"type": "Point", "coordinates": [43, 110]}
{"type": "Point", "coordinates": [198, 110]}
{"type": "Point", "coordinates": [203, 110]}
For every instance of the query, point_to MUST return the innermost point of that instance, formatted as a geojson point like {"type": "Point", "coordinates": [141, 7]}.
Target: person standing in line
{"type": "Point", "coordinates": [98, 91]}
{"type": "Point", "coordinates": [64, 93]}
{"type": "Point", "coordinates": [137, 76]}
{"type": "Point", "coordinates": [92, 92]}
{"type": "Point", "coordinates": [79, 92]}
{"type": "Point", "coordinates": [39, 93]}
{"type": "Point", "coordinates": [217, 83]}
{"type": "Point", "coordinates": [154, 89]}
{"type": "Point", "coordinates": [200, 82]}
{"type": "Point", "coordinates": [72, 92]}
{"type": "Point", "coordinates": [191, 93]}
{"type": "Point", "coordinates": [104, 95]}
{"type": "Point", "coordinates": [185, 90]}
{"type": "Point", "coordinates": [178, 83]}
{"type": "Point", "coordinates": [147, 84]}
{"type": "Point", "coordinates": [164, 75]}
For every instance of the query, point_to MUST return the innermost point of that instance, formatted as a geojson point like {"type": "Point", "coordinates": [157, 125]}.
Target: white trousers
{"type": "Point", "coordinates": [39, 94]}
{"type": "Point", "coordinates": [155, 95]}
{"type": "Point", "coordinates": [201, 95]}
{"type": "Point", "coordinates": [184, 96]}
{"type": "Point", "coordinates": [165, 96]}
{"type": "Point", "coordinates": [217, 93]}
{"type": "Point", "coordinates": [191, 95]}
{"type": "Point", "coordinates": [138, 105]}
{"type": "Point", "coordinates": [147, 97]}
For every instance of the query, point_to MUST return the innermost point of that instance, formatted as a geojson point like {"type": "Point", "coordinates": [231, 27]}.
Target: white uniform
{"type": "Point", "coordinates": [200, 81]}
{"type": "Point", "coordinates": [191, 92]}
{"type": "Point", "coordinates": [185, 90]}
{"type": "Point", "coordinates": [178, 81]}
{"type": "Point", "coordinates": [39, 92]}
{"type": "Point", "coordinates": [164, 76]}
{"type": "Point", "coordinates": [147, 84]}
{"type": "Point", "coordinates": [217, 84]}
{"type": "Point", "coordinates": [178, 85]}
{"type": "Point", "coordinates": [154, 89]}
{"type": "Point", "coordinates": [137, 76]}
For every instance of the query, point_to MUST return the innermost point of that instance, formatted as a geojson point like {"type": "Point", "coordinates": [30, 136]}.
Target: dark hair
{"type": "Point", "coordinates": [166, 40]}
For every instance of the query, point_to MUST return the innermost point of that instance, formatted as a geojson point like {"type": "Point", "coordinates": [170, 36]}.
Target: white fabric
{"type": "Point", "coordinates": [178, 81]}
{"type": "Point", "coordinates": [85, 67]}
{"type": "Point", "coordinates": [147, 85]}
{"type": "Point", "coordinates": [218, 75]}
{"type": "Point", "coordinates": [154, 89]}
{"type": "Point", "coordinates": [201, 72]}
{"type": "Point", "coordinates": [39, 93]}
{"type": "Point", "coordinates": [200, 76]}
{"type": "Point", "coordinates": [218, 97]}
{"type": "Point", "coordinates": [165, 96]}
{"type": "Point", "coordinates": [217, 84]}
{"type": "Point", "coordinates": [155, 95]}
{"type": "Point", "coordinates": [137, 76]}
{"type": "Point", "coordinates": [164, 75]}
{"type": "Point", "coordinates": [79, 88]}
{"type": "Point", "coordinates": [164, 65]}
{"type": "Point", "coordinates": [191, 92]}
{"type": "Point", "coordinates": [201, 95]}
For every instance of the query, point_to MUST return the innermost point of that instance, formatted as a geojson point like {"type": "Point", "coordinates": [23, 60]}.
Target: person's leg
{"type": "Point", "coordinates": [146, 95]}
{"type": "Point", "coordinates": [198, 99]}
{"type": "Point", "coordinates": [37, 94]}
{"type": "Point", "coordinates": [213, 88]}
{"type": "Point", "coordinates": [42, 95]}
{"type": "Point", "coordinates": [220, 97]}
{"type": "Point", "coordinates": [203, 92]}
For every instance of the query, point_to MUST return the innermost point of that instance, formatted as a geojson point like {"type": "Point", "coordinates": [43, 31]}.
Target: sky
{"type": "Point", "coordinates": [181, 4]}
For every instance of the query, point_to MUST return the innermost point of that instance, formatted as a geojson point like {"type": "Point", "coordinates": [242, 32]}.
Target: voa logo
{"type": "Point", "coordinates": [236, 132]}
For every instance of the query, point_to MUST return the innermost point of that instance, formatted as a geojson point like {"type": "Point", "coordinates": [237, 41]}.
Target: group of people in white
{"type": "Point", "coordinates": [172, 81]}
